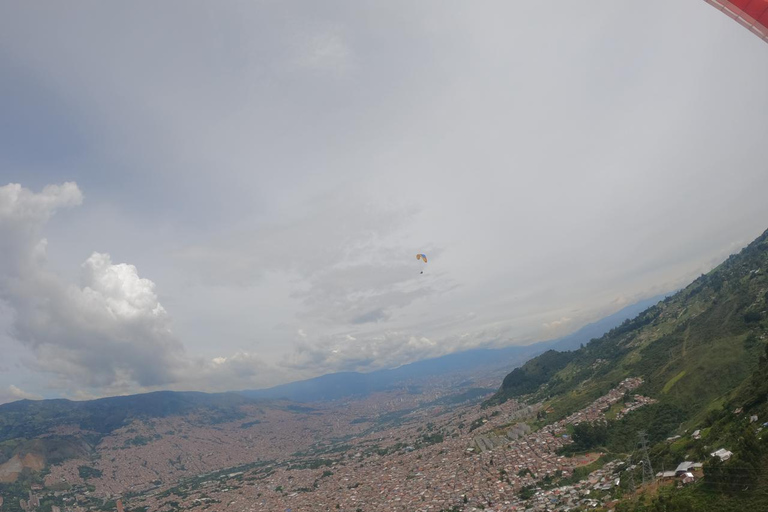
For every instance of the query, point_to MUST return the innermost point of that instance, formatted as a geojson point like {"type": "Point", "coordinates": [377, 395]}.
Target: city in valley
{"type": "Point", "coordinates": [432, 448]}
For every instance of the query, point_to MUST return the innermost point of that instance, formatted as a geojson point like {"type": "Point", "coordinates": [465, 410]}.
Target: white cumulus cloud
{"type": "Point", "coordinates": [119, 289]}
{"type": "Point", "coordinates": [22, 206]}
{"type": "Point", "coordinates": [109, 331]}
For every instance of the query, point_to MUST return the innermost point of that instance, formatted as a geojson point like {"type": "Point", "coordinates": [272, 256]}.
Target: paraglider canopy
{"type": "Point", "coordinates": [422, 257]}
{"type": "Point", "coordinates": [752, 14]}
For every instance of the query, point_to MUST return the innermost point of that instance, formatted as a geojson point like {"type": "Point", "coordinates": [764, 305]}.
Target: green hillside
{"type": "Point", "coordinates": [693, 349]}
{"type": "Point", "coordinates": [736, 485]}
{"type": "Point", "coordinates": [702, 355]}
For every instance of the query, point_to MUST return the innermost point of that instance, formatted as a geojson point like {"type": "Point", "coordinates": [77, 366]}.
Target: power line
{"type": "Point", "coordinates": [648, 476]}
{"type": "Point", "coordinates": [631, 470]}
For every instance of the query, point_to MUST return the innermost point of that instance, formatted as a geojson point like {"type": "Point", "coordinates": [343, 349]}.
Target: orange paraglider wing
{"type": "Point", "coordinates": [752, 14]}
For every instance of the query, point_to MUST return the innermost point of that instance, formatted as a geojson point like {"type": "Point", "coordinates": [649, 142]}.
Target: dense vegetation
{"type": "Point", "coordinates": [534, 373]}
{"type": "Point", "coordinates": [620, 436]}
{"type": "Point", "coordinates": [738, 484]}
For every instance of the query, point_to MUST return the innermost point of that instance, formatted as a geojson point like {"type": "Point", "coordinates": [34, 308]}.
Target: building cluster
{"type": "Point", "coordinates": [686, 472]}
{"type": "Point", "coordinates": [591, 492]}
{"type": "Point", "coordinates": [429, 459]}
{"type": "Point", "coordinates": [597, 409]}
{"type": "Point", "coordinates": [392, 470]}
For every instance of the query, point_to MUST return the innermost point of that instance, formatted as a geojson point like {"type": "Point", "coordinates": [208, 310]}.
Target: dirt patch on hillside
{"type": "Point", "coordinates": [586, 459]}
{"type": "Point", "coordinates": [10, 470]}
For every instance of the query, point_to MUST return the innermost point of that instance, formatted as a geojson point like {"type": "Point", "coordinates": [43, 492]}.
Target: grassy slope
{"type": "Point", "coordinates": [741, 483]}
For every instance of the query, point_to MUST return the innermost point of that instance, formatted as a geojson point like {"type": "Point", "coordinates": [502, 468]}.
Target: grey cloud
{"type": "Point", "coordinates": [349, 353]}
{"type": "Point", "coordinates": [241, 370]}
{"type": "Point", "coordinates": [22, 213]}
{"type": "Point", "coordinates": [324, 49]}
{"type": "Point", "coordinates": [108, 330]}
{"type": "Point", "coordinates": [376, 315]}
{"type": "Point", "coordinates": [366, 293]}
{"type": "Point", "coordinates": [362, 351]}
{"type": "Point", "coordinates": [344, 265]}
{"type": "Point", "coordinates": [22, 208]}
{"type": "Point", "coordinates": [316, 236]}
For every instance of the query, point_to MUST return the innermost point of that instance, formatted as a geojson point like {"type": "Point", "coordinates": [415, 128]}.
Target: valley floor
{"type": "Point", "coordinates": [390, 452]}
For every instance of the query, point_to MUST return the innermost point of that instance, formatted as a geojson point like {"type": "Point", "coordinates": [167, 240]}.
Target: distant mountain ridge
{"type": "Point", "coordinates": [31, 418]}
{"type": "Point", "coordinates": [336, 386]}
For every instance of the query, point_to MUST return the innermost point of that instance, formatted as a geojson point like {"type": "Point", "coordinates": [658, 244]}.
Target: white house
{"type": "Point", "coordinates": [722, 453]}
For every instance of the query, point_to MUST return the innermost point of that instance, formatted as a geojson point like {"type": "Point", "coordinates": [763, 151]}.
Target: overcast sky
{"type": "Point", "coordinates": [231, 195]}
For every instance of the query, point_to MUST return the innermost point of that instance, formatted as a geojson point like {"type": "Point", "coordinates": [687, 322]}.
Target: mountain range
{"type": "Point", "coordinates": [30, 418]}
{"type": "Point", "coordinates": [345, 384]}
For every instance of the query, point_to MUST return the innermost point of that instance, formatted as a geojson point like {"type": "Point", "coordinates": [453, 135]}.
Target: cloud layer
{"type": "Point", "coordinates": [260, 178]}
